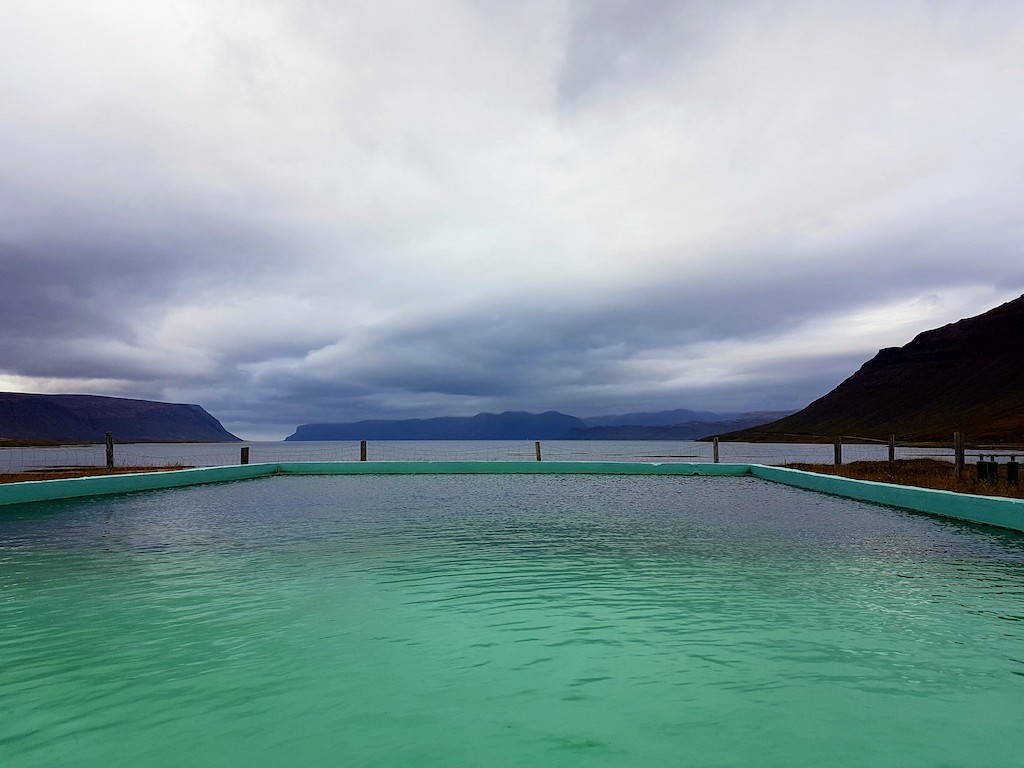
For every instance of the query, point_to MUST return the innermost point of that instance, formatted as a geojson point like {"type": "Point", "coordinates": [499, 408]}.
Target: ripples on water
{"type": "Point", "coordinates": [506, 620]}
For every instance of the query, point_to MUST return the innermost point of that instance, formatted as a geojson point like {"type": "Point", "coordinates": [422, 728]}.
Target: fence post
{"type": "Point", "coordinates": [362, 450]}
{"type": "Point", "coordinates": [110, 450]}
{"type": "Point", "coordinates": [714, 447]}
{"type": "Point", "coordinates": [245, 455]}
{"type": "Point", "coordinates": [838, 445]}
{"type": "Point", "coordinates": [536, 449]}
{"type": "Point", "coordinates": [958, 452]}
{"type": "Point", "coordinates": [892, 455]}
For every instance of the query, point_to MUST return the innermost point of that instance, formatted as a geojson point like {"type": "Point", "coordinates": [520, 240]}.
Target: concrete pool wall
{"type": "Point", "coordinates": [988, 510]}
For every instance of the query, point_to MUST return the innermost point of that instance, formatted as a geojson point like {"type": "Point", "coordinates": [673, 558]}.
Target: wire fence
{"type": "Point", "coordinates": [143, 455]}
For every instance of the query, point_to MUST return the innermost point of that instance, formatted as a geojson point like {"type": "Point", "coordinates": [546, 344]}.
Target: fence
{"type": "Point", "coordinates": [839, 452]}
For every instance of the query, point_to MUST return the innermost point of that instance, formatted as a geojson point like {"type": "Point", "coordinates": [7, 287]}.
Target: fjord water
{"type": "Point", "coordinates": [507, 621]}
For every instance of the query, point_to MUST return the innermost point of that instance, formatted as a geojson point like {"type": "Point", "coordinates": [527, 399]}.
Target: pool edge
{"type": "Point", "coordinates": [996, 511]}
{"type": "Point", "coordinates": [987, 510]}
{"type": "Point", "coordinates": [30, 491]}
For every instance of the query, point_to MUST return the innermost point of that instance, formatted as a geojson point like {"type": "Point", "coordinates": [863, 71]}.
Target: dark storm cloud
{"type": "Point", "coordinates": [78, 281]}
{"type": "Point", "coordinates": [538, 354]}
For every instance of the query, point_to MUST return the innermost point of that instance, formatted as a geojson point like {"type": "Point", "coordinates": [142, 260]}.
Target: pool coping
{"type": "Point", "coordinates": [987, 510]}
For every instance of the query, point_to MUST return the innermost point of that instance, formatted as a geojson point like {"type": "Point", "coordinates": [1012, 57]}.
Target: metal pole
{"type": "Point", "coordinates": [110, 450]}
{"type": "Point", "coordinates": [362, 450]}
{"type": "Point", "coordinates": [245, 454]}
{"type": "Point", "coordinates": [536, 449]}
{"type": "Point", "coordinates": [892, 455]}
{"type": "Point", "coordinates": [838, 453]}
{"type": "Point", "coordinates": [958, 452]}
{"type": "Point", "coordinates": [714, 447]}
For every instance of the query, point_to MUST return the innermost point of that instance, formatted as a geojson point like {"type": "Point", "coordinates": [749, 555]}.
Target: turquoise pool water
{"type": "Point", "coordinates": [506, 621]}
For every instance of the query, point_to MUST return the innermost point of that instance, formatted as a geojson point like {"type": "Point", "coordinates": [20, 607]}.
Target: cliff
{"type": "Point", "coordinates": [967, 376]}
{"type": "Point", "coordinates": [87, 418]}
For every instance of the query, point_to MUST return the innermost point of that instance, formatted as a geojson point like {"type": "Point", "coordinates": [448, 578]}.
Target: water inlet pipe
{"type": "Point", "coordinates": [982, 467]}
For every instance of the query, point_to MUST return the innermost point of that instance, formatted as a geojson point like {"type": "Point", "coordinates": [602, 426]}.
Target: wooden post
{"type": "Point", "coordinates": [245, 454]}
{"type": "Point", "coordinates": [714, 447]}
{"type": "Point", "coordinates": [536, 449]}
{"type": "Point", "coordinates": [892, 456]}
{"type": "Point", "coordinates": [838, 445]}
{"type": "Point", "coordinates": [110, 450]}
{"type": "Point", "coordinates": [958, 453]}
{"type": "Point", "coordinates": [362, 450]}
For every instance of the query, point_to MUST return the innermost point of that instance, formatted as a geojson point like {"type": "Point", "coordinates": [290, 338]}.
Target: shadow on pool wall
{"type": "Point", "coordinates": [987, 510]}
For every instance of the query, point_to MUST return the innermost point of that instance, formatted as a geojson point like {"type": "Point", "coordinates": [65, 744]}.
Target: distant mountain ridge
{"type": "Point", "coordinates": [656, 418]}
{"type": "Point", "coordinates": [87, 419]}
{"type": "Point", "coordinates": [510, 425]}
{"type": "Point", "coordinates": [519, 425]}
{"type": "Point", "coordinates": [967, 376]}
{"type": "Point", "coordinates": [687, 430]}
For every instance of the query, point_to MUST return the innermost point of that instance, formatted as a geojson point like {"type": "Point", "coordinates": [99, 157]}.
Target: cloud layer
{"type": "Point", "coordinates": [295, 212]}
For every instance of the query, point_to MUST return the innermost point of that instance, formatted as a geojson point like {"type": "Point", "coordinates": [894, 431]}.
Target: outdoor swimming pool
{"type": "Point", "coordinates": [506, 620]}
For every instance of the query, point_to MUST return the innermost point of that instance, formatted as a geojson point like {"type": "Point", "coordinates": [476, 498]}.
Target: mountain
{"type": "Point", "coordinates": [87, 418]}
{"type": "Point", "coordinates": [510, 425]}
{"type": "Point", "coordinates": [687, 430]}
{"type": "Point", "coordinates": [513, 425]}
{"type": "Point", "coordinates": [967, 376]}
{"type": "Point", "coordinates": [656, 419]}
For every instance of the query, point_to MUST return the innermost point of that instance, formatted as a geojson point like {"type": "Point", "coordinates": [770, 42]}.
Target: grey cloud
{"type": "Point", "coordinates": [535, 353]}
{"type": "Point", "coordinates": [344, 211]}
{"type": "Point", "coordinates": [623, 44]}
{"type": "Point", "coordinates": [539, 352]}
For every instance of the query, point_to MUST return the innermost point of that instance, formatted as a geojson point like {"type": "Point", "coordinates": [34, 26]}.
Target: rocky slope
{"type": "Point", "coordinates": [87, 418]}
{"type": "Point", "coordinates": [967, 376]}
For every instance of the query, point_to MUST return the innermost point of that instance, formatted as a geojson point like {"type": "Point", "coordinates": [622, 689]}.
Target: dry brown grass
{"type": "Point", "coordinates": [921, 473]}
{"type": "Point", "coordinates": [66, 472]}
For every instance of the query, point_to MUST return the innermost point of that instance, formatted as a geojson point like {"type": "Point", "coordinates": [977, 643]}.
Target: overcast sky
{"type": "Point", "coordinates": [326, 210]}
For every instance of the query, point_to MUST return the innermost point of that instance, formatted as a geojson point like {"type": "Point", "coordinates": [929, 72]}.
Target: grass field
{"type": "Point", "coordinates": [61, 473]}
{"type": "Point", "coordinates": [922, 473]}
